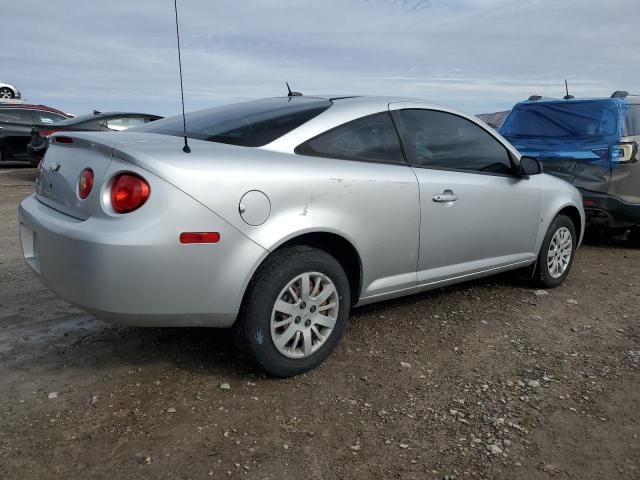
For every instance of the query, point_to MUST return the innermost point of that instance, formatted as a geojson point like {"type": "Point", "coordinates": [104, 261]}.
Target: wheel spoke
{"type": "Point", "coordinates": [316, 287]}
{"type": "Point", "coordinates": [282, 322]}
{"type": "Point", "coordinates": [325, 294]}
{"type": "Point", "coordinates": [305, 286]}
{"type": "Point", "coordinates": [315, 330]}
{"type": "Point", "coordinates": [286, 336]}
{"type": "Point", "coordinates": [324, 321]}
{"type": "Point", "coordinates": [326, 307]}
{"type": "Point", "coordinates": [307, 344]}
{"type": "Point", "coordinates": [293, 294]}
{"type": "Point", "coordinates": [284, 307]}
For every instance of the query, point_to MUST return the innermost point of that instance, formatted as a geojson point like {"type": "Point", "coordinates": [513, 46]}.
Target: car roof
{"type": "Point", "coordinates": [631, 99]}
{"type": "Point", "coordinates": [29, 106]}
{"type": "Point", "coordinates": [372, 102]}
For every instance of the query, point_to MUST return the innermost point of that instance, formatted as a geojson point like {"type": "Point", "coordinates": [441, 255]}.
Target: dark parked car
{"type": "Point", "coordinates": [93, 122]}
{"type": "Point", "coordinates": [591, 143]}
{"type": "Point", "coordinates": [16, 123]}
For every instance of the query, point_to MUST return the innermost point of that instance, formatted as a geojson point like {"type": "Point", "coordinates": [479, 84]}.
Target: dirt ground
{"type": "Point", "coordinates": [483, 380]}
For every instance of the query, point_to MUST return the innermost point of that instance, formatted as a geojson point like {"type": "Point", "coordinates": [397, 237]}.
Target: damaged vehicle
{"type": "Point", "coordinates": [591, 143]}
{"type": "Point", "coordinates": [17, 122]}
{"type": "Point", "coordinates": [282, 214]}
{"type": "Point", "coordinates": [93, 122]}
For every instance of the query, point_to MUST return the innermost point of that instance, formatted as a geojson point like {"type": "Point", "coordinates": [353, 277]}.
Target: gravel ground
{"type": "Point", "coordinates": [489, 379]}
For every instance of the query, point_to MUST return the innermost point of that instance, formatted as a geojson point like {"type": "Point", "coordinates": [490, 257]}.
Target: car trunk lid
{"type": "Point", "coordinates": [57, 182]}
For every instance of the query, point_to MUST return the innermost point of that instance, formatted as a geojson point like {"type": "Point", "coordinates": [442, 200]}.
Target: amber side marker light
{"type": "Point", "coordinates": [199, 237]}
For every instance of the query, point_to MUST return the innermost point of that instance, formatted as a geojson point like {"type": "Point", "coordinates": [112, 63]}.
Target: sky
{"type": "Point", "coordinates": [479, 56]}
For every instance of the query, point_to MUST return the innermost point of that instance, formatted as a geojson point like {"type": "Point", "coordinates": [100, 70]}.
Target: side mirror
{"type": "Point", "coordinates": [529, 166]}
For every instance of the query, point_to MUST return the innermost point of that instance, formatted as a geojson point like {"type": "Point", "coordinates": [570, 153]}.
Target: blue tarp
{"type": "Point", "coordinates": [573, 139]}
{"type": "Point", "coordinates": [583, 129]}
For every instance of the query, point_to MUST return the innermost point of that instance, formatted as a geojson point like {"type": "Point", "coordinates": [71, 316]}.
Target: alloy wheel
{"type": "Point", "coordinates": [559, 254]}
{"type": "Point", "coordinates": [304, 315]}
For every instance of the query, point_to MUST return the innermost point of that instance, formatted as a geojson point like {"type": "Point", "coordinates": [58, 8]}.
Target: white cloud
{"type": "Point", "coordinates": [475, 55]}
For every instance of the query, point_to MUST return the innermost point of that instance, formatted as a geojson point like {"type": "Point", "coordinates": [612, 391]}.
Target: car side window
{"type": "Point", "coordinates": [47, 118]}
{"type": "Point", "coordinates": [434, 139]}
{"type": "Point", "coordinates": [633, 121]}
{"type": "Point", "coordinates": [372, 139]}
{"type": "Point", "coordinates": [16, 115]}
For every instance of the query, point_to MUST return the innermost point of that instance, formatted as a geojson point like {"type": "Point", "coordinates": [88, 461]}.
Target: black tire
{"type": "Point", "coordinates": [4, 91]}
{"type": "Point", "coordinates": [252, 330]}
{"type": "Point", "coordinates": [633, 236]}
{"type": "Point", "coordinates": [543, 276]}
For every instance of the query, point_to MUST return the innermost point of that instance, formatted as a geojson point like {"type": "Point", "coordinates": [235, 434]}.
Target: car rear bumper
{"type": "Point", "coordinates": [607, 211]}
{"type": "Point", "coordinates": [139, 276]}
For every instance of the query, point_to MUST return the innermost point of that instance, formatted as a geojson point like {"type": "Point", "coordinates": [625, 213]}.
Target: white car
{"type": "Point", "coordinates": [8, 92]}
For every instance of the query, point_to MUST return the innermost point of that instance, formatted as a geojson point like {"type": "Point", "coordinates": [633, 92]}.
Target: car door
{"type": "Point", "coordinates": [476, 215]}
{"type": "Point", "coordinates": [367, 188]}
{"type": "Point", "coordinates": [15, 132]}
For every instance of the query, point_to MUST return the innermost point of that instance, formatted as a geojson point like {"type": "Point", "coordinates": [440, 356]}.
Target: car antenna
{"type": "Point", "coordinates": [566, 87]}
{"type": "Point", "coordinates": [292, 94]}
{"type": "Point", "coordinates": [186, 148]}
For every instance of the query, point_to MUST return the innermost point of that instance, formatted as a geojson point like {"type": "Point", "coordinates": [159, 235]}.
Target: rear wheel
{"type": "Point", "coordinates": [295, 311]}
{"type": "Point", "coordinates": [6, 93]}
{"type": "Point", "coordinates": [557, 252]}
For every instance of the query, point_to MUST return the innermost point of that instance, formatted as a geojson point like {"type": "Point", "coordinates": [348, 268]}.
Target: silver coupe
{"type": "Point", "coordinates": [287, 213]}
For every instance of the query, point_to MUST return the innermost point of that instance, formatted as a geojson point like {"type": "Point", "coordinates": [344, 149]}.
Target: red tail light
{"type": "Point", "coordinates": [85, 184]}
{"type": "Point", "coordinates": [129, 192]}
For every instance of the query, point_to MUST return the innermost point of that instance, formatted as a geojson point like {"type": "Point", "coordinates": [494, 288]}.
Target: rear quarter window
{"type": "Point", "coordinates": [370, 139]}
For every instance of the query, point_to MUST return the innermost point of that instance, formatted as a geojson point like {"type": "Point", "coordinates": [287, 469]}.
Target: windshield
{"type": "Point", "coordinates": [248, 124]}
{"type": "Point", "coordinates": [563, 120]}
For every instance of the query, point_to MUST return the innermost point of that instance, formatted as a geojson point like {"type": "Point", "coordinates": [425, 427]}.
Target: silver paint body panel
{"type": "Point", "coordinates": [132, 269]}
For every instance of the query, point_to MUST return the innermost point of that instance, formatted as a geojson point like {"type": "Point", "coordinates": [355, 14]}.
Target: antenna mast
{"type": "Point", "coordinates": [186, 148]}
{"type": "Point", "coordinates": [566, 87]}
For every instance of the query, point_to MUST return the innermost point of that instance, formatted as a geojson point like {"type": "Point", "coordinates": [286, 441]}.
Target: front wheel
{"type": "Point", "coordinates": [295, 311]}
{"type": "Point", "coordinates": [6, 93]}
{"type": "Point", "coordinates": [557, 252]}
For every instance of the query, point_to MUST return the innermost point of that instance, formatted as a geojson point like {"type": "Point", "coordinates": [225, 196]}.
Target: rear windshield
{"type": "Point", "coordinates": [248, 124]}
{"type": "Point", "coordinates": [563, 120]}
{"type": "Point", "coordinates": [78, 119]}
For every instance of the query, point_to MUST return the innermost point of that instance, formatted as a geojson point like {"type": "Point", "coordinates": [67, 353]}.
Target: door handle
{"type": "Point", "coordinates": [445, 197]}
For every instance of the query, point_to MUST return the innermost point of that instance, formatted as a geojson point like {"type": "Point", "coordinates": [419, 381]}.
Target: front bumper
{"type": "Point", "coordinates": [140, 274]}
{"type": "Point", "coordinates": [606, 211]}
